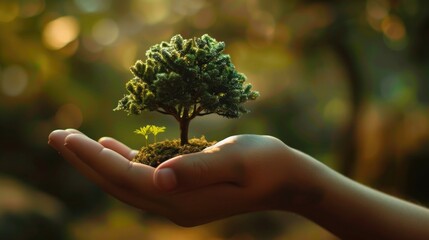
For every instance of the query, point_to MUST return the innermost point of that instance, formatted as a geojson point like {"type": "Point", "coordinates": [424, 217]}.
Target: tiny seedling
{"type": "Point", "coordinates": [155, 130]}
{"type": "Point", "coordinates": [150, 129]}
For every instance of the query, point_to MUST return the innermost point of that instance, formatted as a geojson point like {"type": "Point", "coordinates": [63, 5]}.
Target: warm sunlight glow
{"type": "Point", "coordinates": [60, 32]}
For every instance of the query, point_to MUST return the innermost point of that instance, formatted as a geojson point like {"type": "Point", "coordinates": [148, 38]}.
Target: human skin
{"type": "Point", "coordinates": [240, 174]}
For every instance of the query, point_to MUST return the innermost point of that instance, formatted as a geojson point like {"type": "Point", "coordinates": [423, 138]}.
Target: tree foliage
{"type": "Point", "coordinates": [187, 78]}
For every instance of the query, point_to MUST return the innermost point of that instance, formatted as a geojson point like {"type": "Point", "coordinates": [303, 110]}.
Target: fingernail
{"type": "Point", "coordinates": [165, 179]}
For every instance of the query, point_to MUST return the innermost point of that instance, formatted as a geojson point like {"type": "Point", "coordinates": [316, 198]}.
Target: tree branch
{"type": "Point", "coordinates": [203, 114]}
{"type": "Point", "coordinates": [194, 112]}
{"type": "Point", "coordinates": [180, 111]}
{"type": "Point", "coordinates": [163, 112]}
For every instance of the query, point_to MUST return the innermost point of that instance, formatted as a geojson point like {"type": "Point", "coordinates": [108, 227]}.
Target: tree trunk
{"type": "Point", "coordinates": [184, 129]}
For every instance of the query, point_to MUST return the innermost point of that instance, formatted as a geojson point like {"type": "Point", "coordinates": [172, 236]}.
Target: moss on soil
{"type": "Point", "coordinates": [157, 153]}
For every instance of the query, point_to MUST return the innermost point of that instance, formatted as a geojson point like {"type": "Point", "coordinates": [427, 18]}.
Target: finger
{"type": "Point", "coordinates": [112, 165]}
{"type": "Point", "coordinates": [57, 139]}
{"type": "Point", "coordinates": [197, 170]}
{"type": "Point", "coordinates": [118, 147]}
{"type": "Point", "coordinates": [113, 144]}
{"type": "Point", "coordinates": [72, 130]}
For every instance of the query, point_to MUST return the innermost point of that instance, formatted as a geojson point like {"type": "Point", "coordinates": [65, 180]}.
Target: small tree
{"type": "Point", "coordinates": [187, 78]}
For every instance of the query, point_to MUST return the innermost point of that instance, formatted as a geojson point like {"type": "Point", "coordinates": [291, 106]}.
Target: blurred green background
{"type": "Point", "coordinates": [346, 82]}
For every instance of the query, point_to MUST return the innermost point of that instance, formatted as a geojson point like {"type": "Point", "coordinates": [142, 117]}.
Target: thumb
{"type": "Point", "coordinates": [197, 170]}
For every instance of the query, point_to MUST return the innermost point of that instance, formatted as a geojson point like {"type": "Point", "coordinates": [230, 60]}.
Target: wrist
{"type": "Point", "coordinates": [303, 186]}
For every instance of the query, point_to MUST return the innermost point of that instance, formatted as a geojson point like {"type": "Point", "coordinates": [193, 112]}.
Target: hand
{"type": "Point", "coordinates": [237, 175]}
{"type": "Point", "coordinates": [270, 174]}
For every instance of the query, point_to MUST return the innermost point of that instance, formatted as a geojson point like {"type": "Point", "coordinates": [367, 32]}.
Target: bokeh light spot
{"type": "Point", "coordinates": [105, 31]}
{"type": "Point", "coordinates": [14, 80]}
{"type": "Point", "coordinates": [188, 7]}
{"type": "Point", "coordinates": [393, 28]}
{"type": "Point", "coordinates": [60, 32]}
{"type": "Point", "coordinates": [204, 18]}
{"type": "Point", "coordinates": [68, 116]}
{"type": "Point", "coordinates": [261, 28]}
{"type": "Point", "coordinates": [377, 9]}
{"type": "Point", "coordinates": [150, 11]}
{"type": "Point", "coordinates": [93, 5]}
{"type": "Point", "coordinates": [30, 8]}
{"type": "Point", "coordinates": [126, 54]}
{"type": "Point", "coordinates": [9, 10]}
{"type": "Point", "coordinates": [335, 111]}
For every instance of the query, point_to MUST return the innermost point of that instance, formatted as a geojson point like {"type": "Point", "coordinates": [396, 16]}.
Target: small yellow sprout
{"type": "Point", "coordinates": [144, 131]}
{"type": "Point", "coordinates": [155, 130]}
{"type": "Point", "coordinates": [150, 129]}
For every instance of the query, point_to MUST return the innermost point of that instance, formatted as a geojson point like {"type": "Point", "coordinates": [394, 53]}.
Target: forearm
{"type": "Point", "coordinates": [353, 211]}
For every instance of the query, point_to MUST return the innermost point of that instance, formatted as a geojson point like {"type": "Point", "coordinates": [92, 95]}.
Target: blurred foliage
{"type": "Point", "coordinates": [345, 82]}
